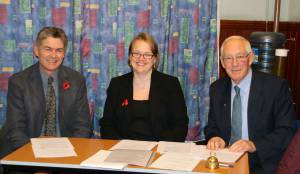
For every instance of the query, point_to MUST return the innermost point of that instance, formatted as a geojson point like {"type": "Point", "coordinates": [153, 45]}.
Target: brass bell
{"type": "Point", "coordinates": [212, 162]}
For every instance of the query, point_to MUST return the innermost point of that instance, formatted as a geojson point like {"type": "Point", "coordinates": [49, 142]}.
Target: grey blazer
{"type": "Point", "coordinates": [26, 107]}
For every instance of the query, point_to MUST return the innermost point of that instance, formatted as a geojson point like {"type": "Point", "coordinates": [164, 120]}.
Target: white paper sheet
{"type": "Point", "coordinates": [52, 147]}
{"type": "Point", "coordinates": [97, 160]}
{"type": "Point", "coordinates": [223, 155]}
{"type": "Point", "coordinates": [134, 145]}
{"type": "Point", "coordinates": [177, 161]}
{"type": "Point", "coordinates": [165, 146]}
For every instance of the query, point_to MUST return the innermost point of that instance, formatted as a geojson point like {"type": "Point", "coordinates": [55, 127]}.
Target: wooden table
{"type": "Point", "coordinates": [24, 158]}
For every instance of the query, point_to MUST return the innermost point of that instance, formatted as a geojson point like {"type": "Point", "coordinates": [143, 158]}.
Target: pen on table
{"type": "Point", "coordinates": [225, 165]}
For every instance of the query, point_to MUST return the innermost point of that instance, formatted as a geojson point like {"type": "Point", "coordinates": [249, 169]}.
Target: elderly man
{"type": "Point", "coordinates": [46, 99]}
{"type": "Point", "coordinates": [250, 111]}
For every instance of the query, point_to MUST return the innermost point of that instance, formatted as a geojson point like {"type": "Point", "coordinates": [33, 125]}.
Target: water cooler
{"type": "Point", "coordinates": [264, 46]}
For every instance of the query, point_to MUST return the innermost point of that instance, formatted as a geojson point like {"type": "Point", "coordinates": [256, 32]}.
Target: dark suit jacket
{"type": "Point", "coordinates": [289, 164]}
{"type": "Point", "coordinates": [26, 107]}
{"type": "Point", "coordinates": [168, 112]}
{"type": "Point", "coordinates": [271, 118]}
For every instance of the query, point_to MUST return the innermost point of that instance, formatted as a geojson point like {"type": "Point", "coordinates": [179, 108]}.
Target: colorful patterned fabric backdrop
{"type": "Point", "coordinates": [99, 33]}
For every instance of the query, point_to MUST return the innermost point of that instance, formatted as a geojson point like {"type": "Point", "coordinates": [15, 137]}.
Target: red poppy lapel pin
{"type": "Point", "coordinates": [125, 102]}
{"type": "Point", "coordinates": [66, 85]}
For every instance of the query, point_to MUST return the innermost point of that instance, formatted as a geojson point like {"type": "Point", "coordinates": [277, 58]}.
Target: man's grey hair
{"type": "Point", "coordinates": [245, 41]}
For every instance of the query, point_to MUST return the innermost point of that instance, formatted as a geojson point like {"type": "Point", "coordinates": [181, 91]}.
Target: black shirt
{"type": "Point", "coordinates": [140, 124]}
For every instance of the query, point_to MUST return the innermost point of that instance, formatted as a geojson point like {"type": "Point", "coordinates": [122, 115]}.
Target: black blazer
{"type": "Point", "coordinates": [271, 118]}
{"type": "Point", "coordinates": [168, 111]}
{"type": "Point", "coordinates": [26, 106]}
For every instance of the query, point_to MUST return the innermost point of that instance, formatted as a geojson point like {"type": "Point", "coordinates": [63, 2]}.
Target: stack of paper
{"type": "Point", "coordinates": [167, 146]}
{"type": "Point", "coordinates": [185, 156]}
{"type": "Point", "coordinates": [98, 160]}
{"type": "Point", "coordinates": [135, 145]}
{"type": "Point", "coordinates": [177, 161]}
{"type": "Point", "coordinates": [52, 147]}
{"type": "Point", "coordinates": [223, 155]}
{"type": "Point", "coordinates": [123, 153]}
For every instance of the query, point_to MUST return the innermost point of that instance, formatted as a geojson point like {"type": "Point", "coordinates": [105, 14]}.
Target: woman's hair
{"type": "Point", "coordinates": [143, 36]}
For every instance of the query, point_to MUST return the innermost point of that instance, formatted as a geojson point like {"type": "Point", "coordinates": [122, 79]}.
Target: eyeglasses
{"type": "Point", "coordinates": [49, 50]}
{"type": "Point", "coordinates": [138, 55]}
{"type": "Point", "coordinates": [238, 57]}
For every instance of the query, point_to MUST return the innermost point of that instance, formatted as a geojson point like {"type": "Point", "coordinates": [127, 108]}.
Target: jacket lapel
{"type": "Point", "coordinates": [62, 92]}
{"type": "Point", "coordinates": [154, 100]}
{"type": "Point", "coordinates": [254, 103]}
{"type": "Point", "coordinates": [127, 94]}
{"type": "Point", "coordinates": [37, 92]}
{"type": "Point", "coordinates": [226, 107]}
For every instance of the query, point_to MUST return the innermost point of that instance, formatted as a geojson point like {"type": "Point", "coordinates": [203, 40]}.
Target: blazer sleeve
{"type": "Point", "coordinates": [16, 115]}
{"type": "Point", "coordinates": [218, 124]}
{"type": "Point", "coordinates": [82, 126]}
{"type": "Point", "coordinates": [178, 110]}
{"type": "Point", "coordinates": [108, 121]}
{"type": "Point", "coordinates": [284, 125]}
